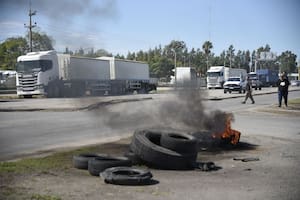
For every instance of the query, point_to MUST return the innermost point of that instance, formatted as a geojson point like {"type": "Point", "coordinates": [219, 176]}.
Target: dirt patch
{"type": "Point", "coordinates": [238, 180]}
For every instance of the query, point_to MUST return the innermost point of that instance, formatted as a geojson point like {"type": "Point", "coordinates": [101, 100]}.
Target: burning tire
{"type": "Point", "coordinates": [146, 144]}
{"type": "Point", "coordinates": [126, 176]}
{"type": "Point", "coordinates": [99, 164]}
{"type": "Point", "coordinates": [81, 161]}
{"type": "Point", "coordinates": [179, 142]}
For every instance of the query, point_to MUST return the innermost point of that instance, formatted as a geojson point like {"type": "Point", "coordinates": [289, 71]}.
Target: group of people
{"type": "Point", "coordinates": [283, 88]}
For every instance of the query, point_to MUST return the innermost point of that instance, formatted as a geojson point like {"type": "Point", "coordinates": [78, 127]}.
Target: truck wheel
{"type": "Point", "coordinates": [27, 96]}
{"type": "Point", "coordinates": [225, 91]}
{"type": "Point", "coordinates": [260, 88]}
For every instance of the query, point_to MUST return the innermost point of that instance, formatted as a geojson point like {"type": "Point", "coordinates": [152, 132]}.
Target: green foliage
{"type": "Point", "coordinates": [287, 62]}
{"type": "Point", "coordinates": [10, 50]}
{"type": "Point", "coordinates": [41, 42]}
{"type": "Point", "coordinates": [160, 59]}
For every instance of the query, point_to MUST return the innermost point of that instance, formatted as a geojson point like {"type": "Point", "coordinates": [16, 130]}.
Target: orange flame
{"type": "Point", "coordinates": [229, 133]}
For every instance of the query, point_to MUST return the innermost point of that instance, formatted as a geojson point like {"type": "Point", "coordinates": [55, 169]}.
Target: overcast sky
{"type": "Point", "coordinates": [119, 26]}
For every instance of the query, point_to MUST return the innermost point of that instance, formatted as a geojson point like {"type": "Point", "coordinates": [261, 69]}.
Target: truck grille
{"type": "Point", "coordinates": [213, 80]}
{"type": "Point", "coordinates": [27, 82]}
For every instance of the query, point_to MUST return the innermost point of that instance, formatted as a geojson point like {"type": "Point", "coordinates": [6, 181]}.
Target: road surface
{"type": "Point", "coordinates": [25, 133]}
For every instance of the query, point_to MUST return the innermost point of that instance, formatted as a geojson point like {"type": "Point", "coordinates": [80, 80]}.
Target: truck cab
{"type": "Point", "coordinates": [216, 76]}
{"type": "Point", "coordinates": [35, 72]}
{"type": "Point", "coordinates": [254, 80]}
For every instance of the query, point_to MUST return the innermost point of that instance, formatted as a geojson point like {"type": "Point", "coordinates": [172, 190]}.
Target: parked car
{"type": "Point", "coordinates": [295, 82]}
{"type": "Point", "coordinates": [235, 84]}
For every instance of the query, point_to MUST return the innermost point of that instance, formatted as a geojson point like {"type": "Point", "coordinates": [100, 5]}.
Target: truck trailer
{"type": "Point", "coordinates": [268, 77]}
{"type": "Point", "coordinates": [186, 76]}
{"type": "Point", "coordinates": [58, 75]}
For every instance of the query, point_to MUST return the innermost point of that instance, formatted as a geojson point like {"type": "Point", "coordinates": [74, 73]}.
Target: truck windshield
{"type": "Point", "coordinates": [34, 65]}
{"type": "Point", "coordinates": [252, 76]}
{"type": "Point", "coordinates": [214, 74]}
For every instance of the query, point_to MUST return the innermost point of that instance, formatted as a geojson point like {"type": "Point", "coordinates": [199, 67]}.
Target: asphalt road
{"type": "Point", "coordinates": [26, 133]}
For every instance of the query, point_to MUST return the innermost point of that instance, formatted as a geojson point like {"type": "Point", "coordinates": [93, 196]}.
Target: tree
{"type": "Point", "coordinates": [176, 48]}
{"type": "Point", "coordinates": [207, 46]}
{"type": "Point", "coordinates": [287, 62]}
{"type": "Point", "coordinates": [10, 50]}
{"type": "Point", "coordinates": [102, 52]}
{"type": "Point", "coordinates": [41, 42]}
{"type": "Point", "coordinates": [230, 55]}
{"type": "Point", "coordinates": [162, 68]}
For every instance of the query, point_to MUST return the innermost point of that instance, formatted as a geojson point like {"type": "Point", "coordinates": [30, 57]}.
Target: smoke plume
{"type": "Point", "coordinates": [182, 109]}
{"type": "Point", "coordinates": [68, 22]}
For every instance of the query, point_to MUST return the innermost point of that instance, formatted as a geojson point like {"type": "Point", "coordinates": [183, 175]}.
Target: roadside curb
{"type": "Point", "coordinates": [99, 104]}
{"type": "Point", "coordinates": [84, 108]}
{"type": "Point", "coordinates": [243, 95]}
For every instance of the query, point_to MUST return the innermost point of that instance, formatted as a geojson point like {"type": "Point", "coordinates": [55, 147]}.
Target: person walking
{"type": "Point", "coordinates": [248, 91]}
{"type": "Point", "coordinates": [283, 89]}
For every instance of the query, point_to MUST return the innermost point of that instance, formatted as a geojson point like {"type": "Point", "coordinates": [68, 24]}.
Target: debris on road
{"type": "Point", "coordinates": [249, 159]}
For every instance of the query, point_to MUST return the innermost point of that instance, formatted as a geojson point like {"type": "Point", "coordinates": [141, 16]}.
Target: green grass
{"type": "Point", "coordinates": [61, 160]}
{"type": "Point", "coordinates": [44, 197]}
{"type": "Point", "coordinates": [294, 101]}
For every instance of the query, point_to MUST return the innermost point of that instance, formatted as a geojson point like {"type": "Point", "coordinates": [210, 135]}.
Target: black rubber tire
{"type": "Point", "coordinates": [146, 144]}
{"type": "Point", "coordinates": [81, 161]}
{"type": "Point", "coordinates": [135, 159]}
{"type": "Point", "coordinates": [99, 164]}
{"type": "Point", "coordinates": [179, 142]}
{"type": "Point", "coordinates": [126, 176]}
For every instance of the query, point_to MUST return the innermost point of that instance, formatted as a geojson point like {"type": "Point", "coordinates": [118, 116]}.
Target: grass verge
{"type": "Point", "coordinates": [60, 160]}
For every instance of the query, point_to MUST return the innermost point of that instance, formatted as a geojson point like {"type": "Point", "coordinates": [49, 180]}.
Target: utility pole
{"type": "Point", "coordinates": [30, 27]}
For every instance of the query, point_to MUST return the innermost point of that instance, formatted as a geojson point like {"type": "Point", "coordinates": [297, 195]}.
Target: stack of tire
{"type": "Point", "coordinates": [95, 163]}
{"type": "Point", "coordinates": [114, 170]}
{"type": "Point", "coordinates": [161, 149]}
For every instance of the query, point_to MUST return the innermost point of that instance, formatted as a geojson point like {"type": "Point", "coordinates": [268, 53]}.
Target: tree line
{"type": "Point", "coordinates": [161, 59]}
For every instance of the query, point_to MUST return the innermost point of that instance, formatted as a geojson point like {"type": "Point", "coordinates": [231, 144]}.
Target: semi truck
{"type": "Point", "coordinates": [268, 77]}
{"type": "Point", "coordinates": [265, 77]}
{"type": "Point", "coordinates": [218, 75]}
{"type": "Point", "coordinates": [62, 75]}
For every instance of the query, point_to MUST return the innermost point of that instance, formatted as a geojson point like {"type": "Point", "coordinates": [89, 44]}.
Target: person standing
{"type": "Point", "coordinates": [283, 89]}
{"type": "Point", "coordinates": [248, 91]}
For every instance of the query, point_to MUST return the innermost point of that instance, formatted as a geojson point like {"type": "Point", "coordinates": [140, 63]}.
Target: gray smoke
{"type": "Point", "coordinates": [187, 111]}
{"type": "Point", "coordinates": [68, 22]}
{"type": "Point", "coordinates": [182, 110]}
{"type": "Point", "coordinates": [63, 10]}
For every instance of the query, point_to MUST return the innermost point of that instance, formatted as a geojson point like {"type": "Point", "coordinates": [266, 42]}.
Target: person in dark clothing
{"type": "Point", "coordinates": [248, 91]}
{"type": "Point", "coordinates": [283, 89]}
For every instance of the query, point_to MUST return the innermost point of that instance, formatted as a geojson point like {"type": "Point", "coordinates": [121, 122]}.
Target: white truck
{"type": "Point", "coordinates": [186, 76]}
{"type": "Point", "coordinates": [57, 75]}
{"type": "Point", "coordinates": [218, 75]}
